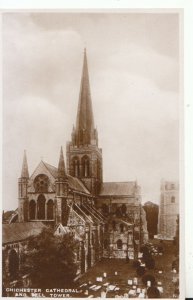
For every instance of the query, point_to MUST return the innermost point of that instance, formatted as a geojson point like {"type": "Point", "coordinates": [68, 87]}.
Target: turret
{"type": "Point", "coordinates": [61, 190]}
{"type": "Point", "coordinates": [23, 195]}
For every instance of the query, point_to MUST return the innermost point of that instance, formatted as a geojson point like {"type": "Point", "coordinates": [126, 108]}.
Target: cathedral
{"type": "Point", "coordinates": [106, 218]}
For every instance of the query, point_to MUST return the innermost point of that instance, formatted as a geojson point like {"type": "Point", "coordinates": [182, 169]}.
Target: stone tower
{"type": "Point", "coordinates": [61, 190]}
{"type": "Point", "coordinates": [84, 158]}
{"type": "Point", "coordinates": [169, 210]}
{"type": "Point", "coordinates": [22, 188]}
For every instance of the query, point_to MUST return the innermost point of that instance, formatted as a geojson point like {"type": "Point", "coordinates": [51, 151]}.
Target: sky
{"type": "Point", "coordinates": [133, 61]}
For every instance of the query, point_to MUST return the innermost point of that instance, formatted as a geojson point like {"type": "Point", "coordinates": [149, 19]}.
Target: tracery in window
{"type": "Point", "coordinates": [41, 183]}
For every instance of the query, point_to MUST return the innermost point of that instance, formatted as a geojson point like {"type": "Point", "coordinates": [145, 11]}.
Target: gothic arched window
{"type": "Point", "coordinates": [118, 212]}
{"type": "Point", "coordinates": [41, 207]}
{"type": "Point", "coordinates": [32, 210]}
{"type": "Point", "coordinates": [105, 209]}
{"type": "Point", "coordinates": [114, 225]}
{"type": "Point", "coordinates": [76, 166]}
{"type": "Point", "coordinates": [121, 228]}
{"type": "Point", "coordinates": [85, 166]}
{"type": "Point", "coordinates": [41, 183]}
{"type": "Point", "coordinates": [123, 209]}
{"type": "Point", "coordinates": [106, 243]}
{"type": "Point", "coordinates": [119, 244]}
{"type": "Point", "coordinates": [13, 264]}
{"type": "Point", "coordinates": [50, 210]}
{"type": "Point", "coordinates": [98, 169]}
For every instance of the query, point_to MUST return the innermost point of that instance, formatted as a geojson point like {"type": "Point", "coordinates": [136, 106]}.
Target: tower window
{"type": "Point", "coordinates": [98, 169]}
{"type": "Point", "coordinates": [76, 167]}
{"type": "Point", "coordinates": [85, 166]}
{"type": "Point", "coordinates": [173, 199]}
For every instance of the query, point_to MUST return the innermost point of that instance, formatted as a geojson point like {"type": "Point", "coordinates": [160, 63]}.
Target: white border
{"type": "Point", "coordinates": [187, 5]}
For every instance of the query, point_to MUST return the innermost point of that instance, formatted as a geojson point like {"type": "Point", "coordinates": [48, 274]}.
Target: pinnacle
{"type": "Point", "coordinates": [61, 165]}
{"type": "Point", "coordinates": [24, 172]}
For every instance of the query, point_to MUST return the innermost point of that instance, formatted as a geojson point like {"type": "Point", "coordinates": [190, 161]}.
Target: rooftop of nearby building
{"type": "Point", "coordinates": [16, 232]}
{"type": "Point", "coordinates": [118, 188]}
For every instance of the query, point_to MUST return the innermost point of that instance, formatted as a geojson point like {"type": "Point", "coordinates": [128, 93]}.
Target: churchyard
{"type": "Point", "coordinates": [118, 278]}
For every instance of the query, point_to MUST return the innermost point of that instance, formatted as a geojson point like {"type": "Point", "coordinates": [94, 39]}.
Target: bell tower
{"type": "Point", "coordinates": [84, 157]}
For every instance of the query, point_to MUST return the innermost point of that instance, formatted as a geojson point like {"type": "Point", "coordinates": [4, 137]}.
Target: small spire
{"type": "Point", "coordinates": [24, 172]}
{"type": "Point", "coordinates": [61, 165]}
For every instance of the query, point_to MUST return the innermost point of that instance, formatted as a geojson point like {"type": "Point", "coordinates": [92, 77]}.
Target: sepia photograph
{"type": "Point", "coordinates": [92, 127]}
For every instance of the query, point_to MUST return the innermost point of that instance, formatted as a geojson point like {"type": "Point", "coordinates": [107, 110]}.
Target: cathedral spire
{"type": "Point", "coordinates": [85, 119]}
{"type": "Point", "coordinates": [24, 171]}
{"type": "Point", "coordinates": [61, 165]}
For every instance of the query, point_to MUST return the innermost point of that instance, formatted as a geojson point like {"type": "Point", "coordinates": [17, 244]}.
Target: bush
{"type": "Point", "coordinates": [140, 271]}
{"type": "Point", "coordinates": [50, 259]}
{"type": "Point", "coordinates": [153, 292]}
{"type": "Point", "coordinates": [144, 249]}
{"type": "Point", "coordinates": [160, 249]}
{"type": "Point", "coordinates": [146, 256]}
{"type": "Point", "coordinates": [136, 263]}
{"type": "Point", "coordinates": [148, 277]}
{"type": "Point", "coordinates": [150, 263]}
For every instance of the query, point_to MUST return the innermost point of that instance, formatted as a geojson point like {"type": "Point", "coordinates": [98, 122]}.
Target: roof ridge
{"type": "Point", "coordinates": [45, 163]}
{"type": "Point", "coordinates": [119, 181]}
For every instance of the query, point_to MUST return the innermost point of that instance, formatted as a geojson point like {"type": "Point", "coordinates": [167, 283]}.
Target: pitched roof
{"type": "Point", "coordinates": [77, 185]}
{"type": "Point", "coordinates": [118, 188]}
{"type": "Point", "coordinates": [53, 170]}
{"type": "Point", "coordinates": [15, 232]}
{"type": "Point", "coordinates": [7, 215]}
{"type": "Point", "coordinates": [74, 183]}
{"type": "Point", "coordinates": [91, 212]}
{"type": "Point", "coordinates": [87, 217]}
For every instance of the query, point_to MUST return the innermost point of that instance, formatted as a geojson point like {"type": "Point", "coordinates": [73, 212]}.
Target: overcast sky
{"type": "Point", "coordinates": [133, 62]}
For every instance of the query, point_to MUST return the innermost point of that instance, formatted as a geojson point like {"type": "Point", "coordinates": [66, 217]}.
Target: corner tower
{"type": "Point", "coordinates": [84, 158]}
{"type": "Point", "coordinates": [61, 191]}
{"type": "Point", "coordinates": [22, 191]}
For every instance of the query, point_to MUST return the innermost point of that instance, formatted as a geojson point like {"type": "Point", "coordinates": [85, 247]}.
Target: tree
{"type": "Point", "coordinates": [176, 238]}
{"type": "Point", "coordinates": [153, 292]}
{"type": "Point", "coordinates": [152, 211]}
{"type": "Point", "coordinates": [50, 259]}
